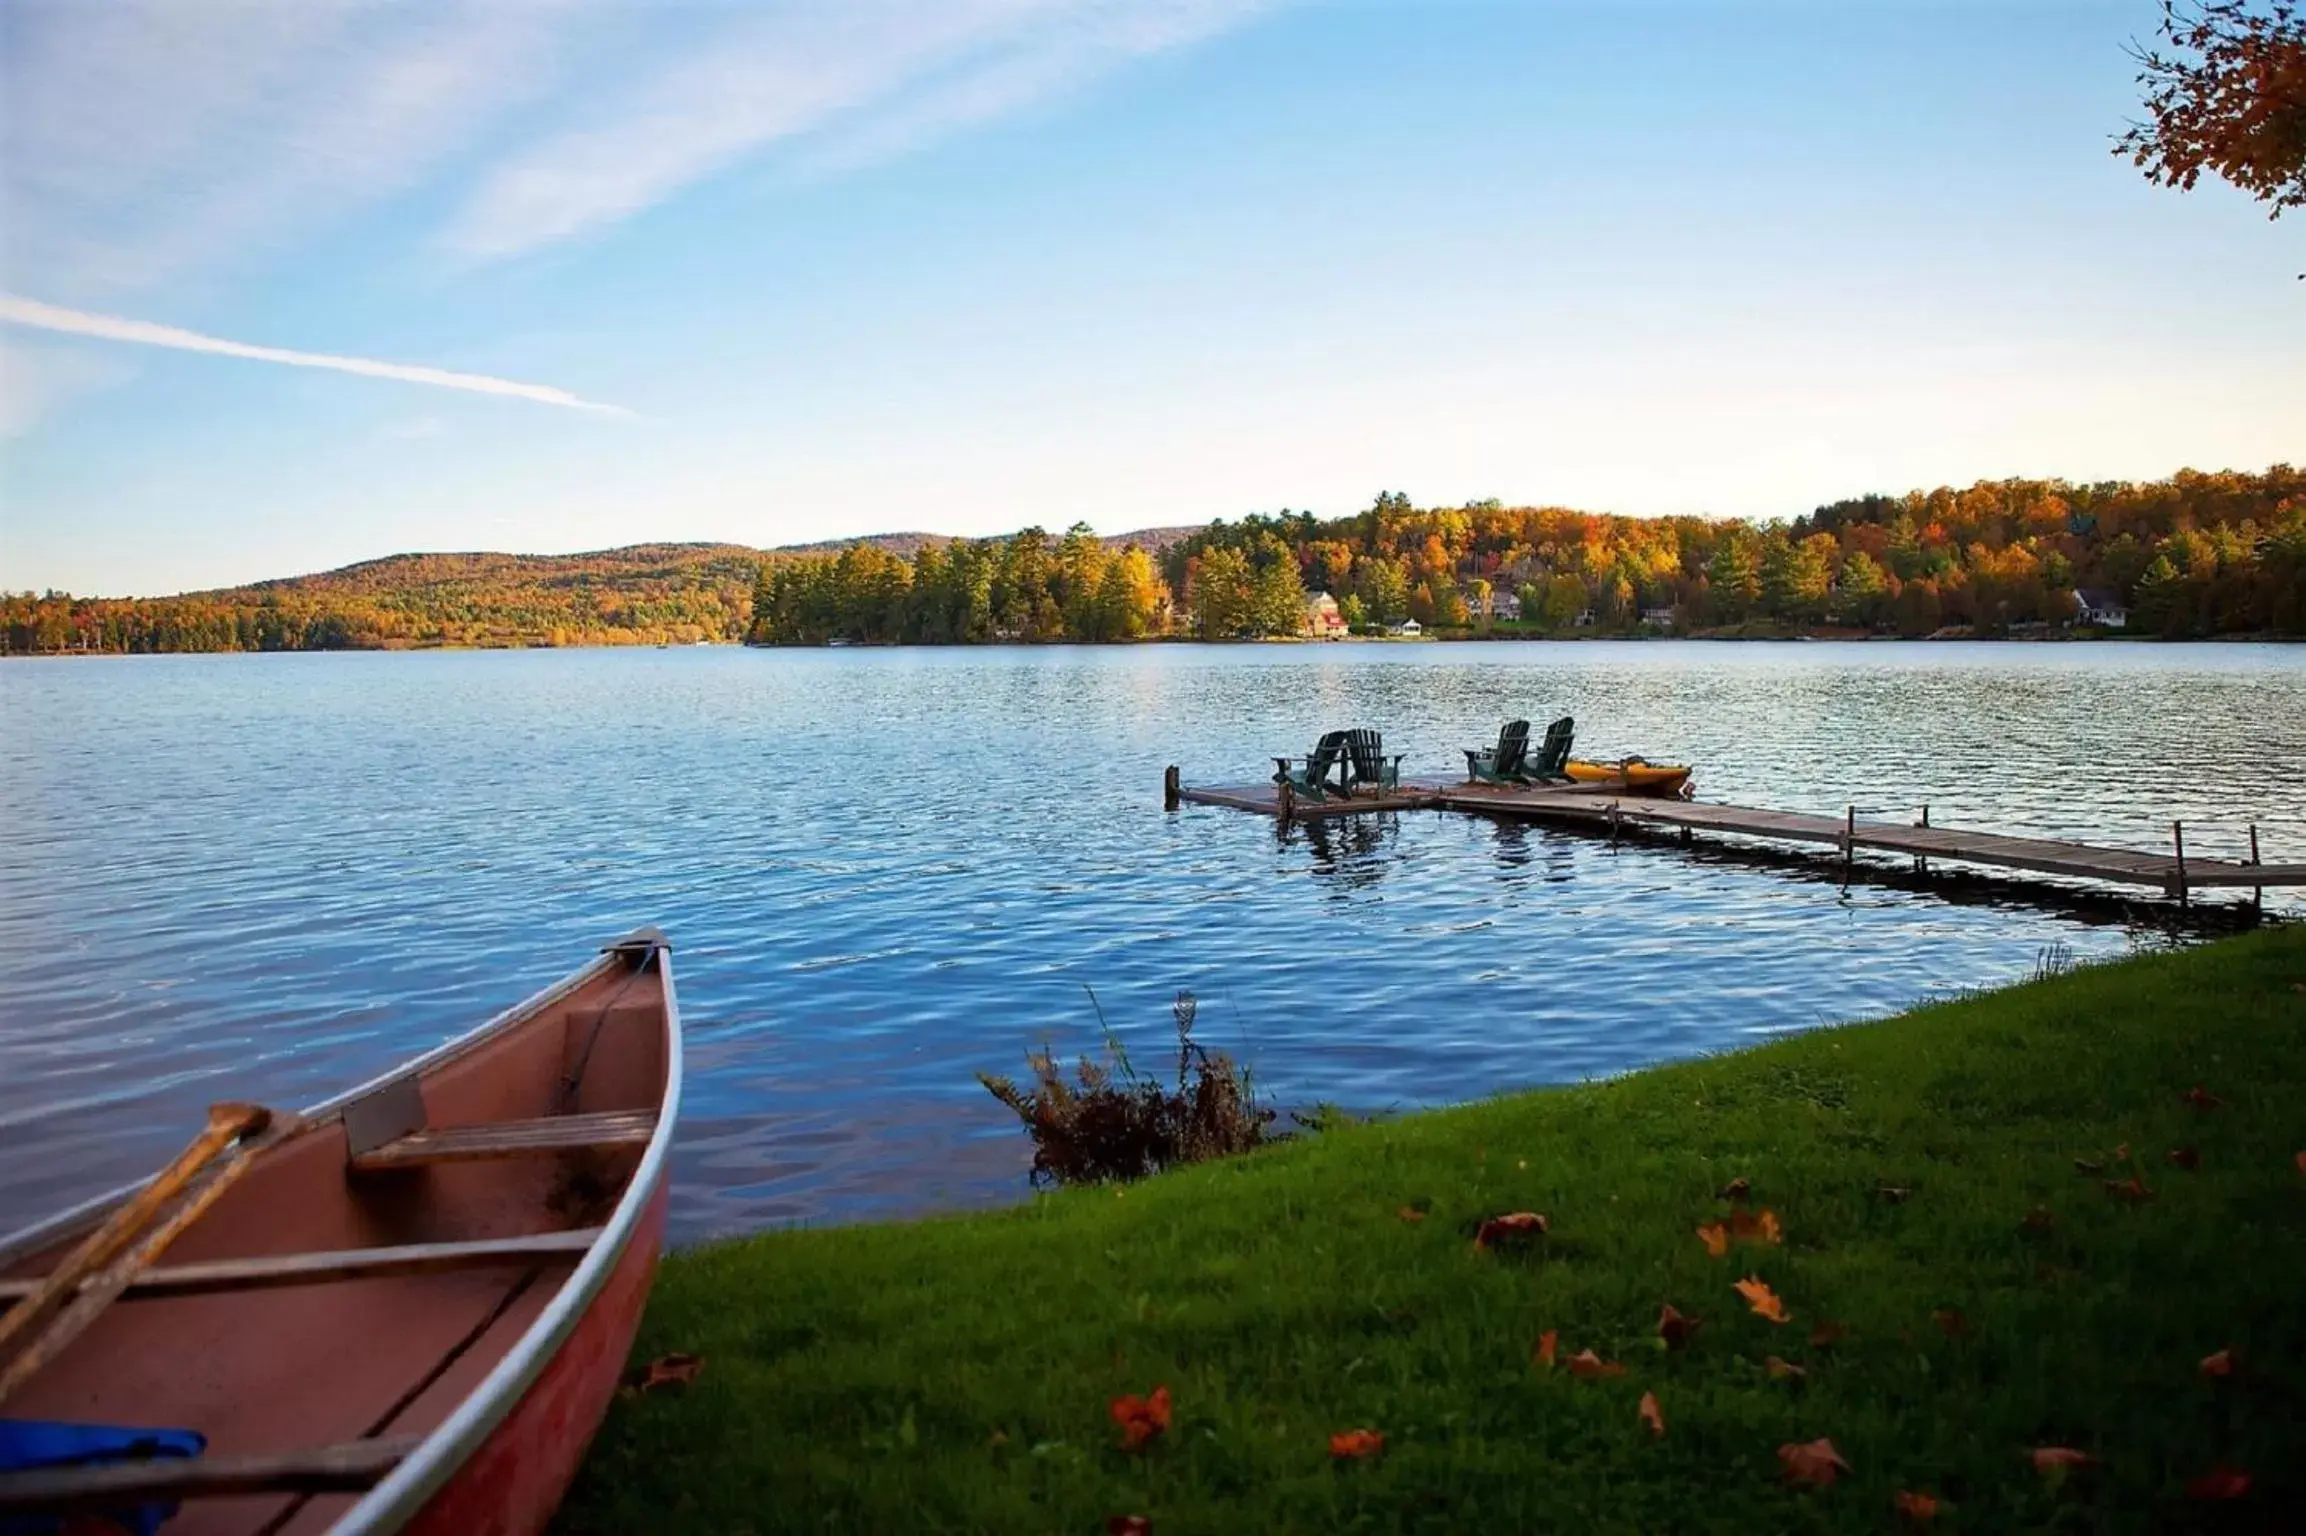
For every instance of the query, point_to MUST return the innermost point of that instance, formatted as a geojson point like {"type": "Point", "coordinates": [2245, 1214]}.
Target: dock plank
{"type": "Point", "coordinates": [2125, 866]}
{"type": "Point", "coordinates": [2245, 874]}
{"type": "Point", "coordinates": [1595, 805]}
{"type": "Point", "coordinates": [1265, 800]}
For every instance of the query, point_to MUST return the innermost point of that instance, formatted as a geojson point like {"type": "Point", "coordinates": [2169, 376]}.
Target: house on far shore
{"type": "Point", "coordinates": [1323, 620]}
{"type": "Point", "coordinates": [2101, 607]}
{"type": "Point", "coordinates": [1504, 605]}
{"type": "Point", "coordinates": [1408, 627]}
{"type": "Point", "coordinates": [1657, 618]}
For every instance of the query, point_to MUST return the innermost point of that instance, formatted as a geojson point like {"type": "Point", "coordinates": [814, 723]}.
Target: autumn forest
{"type": "Point", "coordinates": [2199, 554]}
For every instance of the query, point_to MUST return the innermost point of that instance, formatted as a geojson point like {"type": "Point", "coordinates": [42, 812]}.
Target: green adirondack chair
{"type": "Point", "coordinates": [1550, 763]}
{"type": "Point", "coordinates": [1500, 764]}
{"type": "Point", "coordinates": [1367, 764]}
{"type": "Point", "coordinates": [1315, 779]}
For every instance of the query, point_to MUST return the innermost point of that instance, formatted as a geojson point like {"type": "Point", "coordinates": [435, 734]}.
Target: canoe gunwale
{"type": "Point", "coordinates": [69, 1221]}
{"type": "Point", "coordinates": [396, 1500]}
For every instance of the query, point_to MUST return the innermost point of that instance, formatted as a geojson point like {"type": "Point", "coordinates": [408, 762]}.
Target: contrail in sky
{"type": "Point", "coordinates": [76, 322]}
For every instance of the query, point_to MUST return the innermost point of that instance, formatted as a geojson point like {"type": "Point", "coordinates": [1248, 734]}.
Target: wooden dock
{"type": "Point", "coordinates": [1607, 809]}
{"type": "Point", "coordinates": [1277, 801]}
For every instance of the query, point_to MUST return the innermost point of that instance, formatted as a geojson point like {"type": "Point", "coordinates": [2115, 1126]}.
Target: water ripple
{"type": "Point", "coordinates": [885, 871]}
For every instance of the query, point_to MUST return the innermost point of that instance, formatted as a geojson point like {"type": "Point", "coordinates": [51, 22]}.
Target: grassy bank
{"type": "Point", "coordinates": [956, 1374]}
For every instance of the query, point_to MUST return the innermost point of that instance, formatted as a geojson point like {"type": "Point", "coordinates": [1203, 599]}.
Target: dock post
{"type": "Point", "coordinates": [2178, 836]}
{"type": "Point", "coordinates": [2257, 892]}
{"type": "Point", "coordinates": [1613, 823]}
{"type": "Point", "coordinates": [1849, 843]}
{"type": "Point", "coordinates": [1169, 796]}
{"type": "Point", "coordinates": [1922, 860]}
{"type": "Point", "coordinates": [1288, 802]}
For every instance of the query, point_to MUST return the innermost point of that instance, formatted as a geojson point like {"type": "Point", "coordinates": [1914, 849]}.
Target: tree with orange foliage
{"type": "Point", "coordinates": [2229, 97]}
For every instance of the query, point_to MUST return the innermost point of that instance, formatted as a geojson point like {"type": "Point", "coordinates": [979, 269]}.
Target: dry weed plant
{"type": "Point", "coordinates": [1112, 1125]}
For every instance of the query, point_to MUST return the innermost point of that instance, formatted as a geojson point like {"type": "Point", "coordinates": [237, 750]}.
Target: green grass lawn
{"type": "Point", "coordinates": [955, 1374]}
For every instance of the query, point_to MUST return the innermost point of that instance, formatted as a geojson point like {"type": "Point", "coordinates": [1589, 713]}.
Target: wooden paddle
{"type": "Point", "coordinates": [22, 1328]}
{"type": "Point", "coordinates": [101, 1289]}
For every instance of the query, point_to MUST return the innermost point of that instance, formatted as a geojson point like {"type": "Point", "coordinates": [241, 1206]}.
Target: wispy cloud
{"type": "Point", "coordinates": [148, 141]}
{"type": "Point", "coordinates": [152, 139]}
{"type": "Point", "coordinates": [876, 78]}
{"type": "Point", "coordinates": [73, 322]}
{"type": "Point", "coordinates": [35, 381]}
{"type": "Point", "coordinates": [1035, 66]}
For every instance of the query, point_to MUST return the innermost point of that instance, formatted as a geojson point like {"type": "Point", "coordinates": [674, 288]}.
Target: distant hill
{"type": "Point", "coordinates": [636, 595]}
{"type": "Point", "coordinates": [906, 544]}
{"type": "Point", "coordinates": [633, 567]}
{"type": "Point", "coordinates": [2218, 553]}
{"type": "Point", "coordinates": [1155, 540]}
{"type": "Point", "coordinates": [1151, 540]}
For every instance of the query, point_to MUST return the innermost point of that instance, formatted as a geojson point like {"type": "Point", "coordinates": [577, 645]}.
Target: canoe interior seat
{"type": "Point", "coordinates": [280, 1269]}
{"type": "Point", "coordinates": [511, 1138]}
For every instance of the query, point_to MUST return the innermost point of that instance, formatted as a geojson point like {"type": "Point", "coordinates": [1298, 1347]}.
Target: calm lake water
{"type": "Point", "coordinates": [270, 876]}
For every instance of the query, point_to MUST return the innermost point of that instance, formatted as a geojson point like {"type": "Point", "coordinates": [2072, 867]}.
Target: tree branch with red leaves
{"type": "Point", "coordinates": [2229, 97]}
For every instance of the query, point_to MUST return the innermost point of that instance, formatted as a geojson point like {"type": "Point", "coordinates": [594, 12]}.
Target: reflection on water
{"type": "Point", "coordinates": [1349, 851]}
{"type": "Point", "coordinates": [885, 870]}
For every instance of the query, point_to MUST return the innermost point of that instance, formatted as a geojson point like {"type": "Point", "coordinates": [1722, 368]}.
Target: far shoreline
{"type": "Point", "coordinates": [1704, 638]}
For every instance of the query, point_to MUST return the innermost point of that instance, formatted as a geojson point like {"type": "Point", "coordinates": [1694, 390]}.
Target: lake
{"type": "Point", "coordinates": [883, 871]}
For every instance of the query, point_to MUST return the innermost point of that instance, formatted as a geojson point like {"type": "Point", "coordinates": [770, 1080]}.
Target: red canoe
{"type": "Point", "coordinates": [405, 1310]}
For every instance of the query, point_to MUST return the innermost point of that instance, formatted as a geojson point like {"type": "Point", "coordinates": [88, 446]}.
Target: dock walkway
{"type": "Point", "coordinates": [1605, 808]}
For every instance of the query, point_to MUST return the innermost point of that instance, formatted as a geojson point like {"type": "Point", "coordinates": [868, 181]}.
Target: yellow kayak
{"type": "Point", "coordinates": [1664, 780]}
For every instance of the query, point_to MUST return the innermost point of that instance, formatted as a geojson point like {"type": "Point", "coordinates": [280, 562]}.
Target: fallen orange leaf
{"type": "Point", "coordinates": [1780, 1370]}
{"type": "Point", "coordinates": [1410, 1213]}
{"type": "Point", "coordinates": [1763, 1300]}
{"type": "Point", "coordinates": [2049, 1459]}
{"type": "Point", "coordinates": [2132, 1189]}
{"type": "Point", "coordinates": [1951, 1323]}
{"type": "Point", "coordinates": [668, 1371]}
{"type": "Point", "coordinates": [1815, 1462]}
{"type": "Point", "coordinates": [1545, 1344]}
{"type": "Point", "coordinates": [1827, 1335]}
{"type": "Point", "coordinates": [1651, 1415]}
{"type": "Point", "coordinates": [2219, 1364]}
{"type": "Point", "coordinates": [1128, 1525]}
{"type": "Point", "coordinates": [1675, 1328]}
{"type": "Point", "coordinates": [2202, 1098]}
{"type": "Point", "coordinates": [2302, 1162]}
{"type": "Point", "coordinates": [2219, 1483]}
{"type": "Point", "coordinates": [1586, 1365]}
{"type": "Point", "coordinates": [1516, 1225]}
{"type": "Point", "coordinates": [2188, 1158]}
{"type": "Point", "coordinates": [1918, 1507]}
{"type": "Point", "coordinates": [1735, 1189]}
{"type": "Point", "coordinates": [1141, 1418]}
{"type": "Point", "coordinates": [1356, 1444]}
{"type": "Point", "coordinates": [1749, 1228]}
{"type": "Point", "coordinates": [1715, 1236]}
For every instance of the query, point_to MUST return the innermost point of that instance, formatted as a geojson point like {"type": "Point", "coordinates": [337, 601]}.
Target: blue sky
{"type": "Point", "coordinates": [837, 269]}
